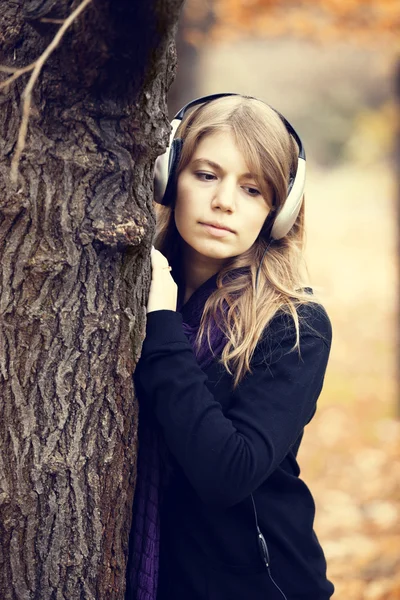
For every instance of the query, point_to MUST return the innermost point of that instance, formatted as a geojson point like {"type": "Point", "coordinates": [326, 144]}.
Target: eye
{"type": "Point", "coordinates": [205, 176]}
{"type": "Point", "coordinates": [251, 191]}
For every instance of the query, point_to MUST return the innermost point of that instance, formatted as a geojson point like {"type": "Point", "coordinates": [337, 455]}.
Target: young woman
{"type": "Point", "coordinates": [231, 368]}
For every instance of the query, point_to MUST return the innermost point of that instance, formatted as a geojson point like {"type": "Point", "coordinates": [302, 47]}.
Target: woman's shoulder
{"type": "Point", "coordinates": [313, 320]}
{"type": "Point", "coordinates": [280, 335]}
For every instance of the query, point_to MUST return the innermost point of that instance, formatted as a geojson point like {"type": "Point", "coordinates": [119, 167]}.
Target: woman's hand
{"type": "Point", "coordinates": [163, 289]}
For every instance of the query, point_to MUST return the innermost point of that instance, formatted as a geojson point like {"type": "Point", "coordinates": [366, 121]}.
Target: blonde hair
{"type": "Point", "coordinates": [241, 310]}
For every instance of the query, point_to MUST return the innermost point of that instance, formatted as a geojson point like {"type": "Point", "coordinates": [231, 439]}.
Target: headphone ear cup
{"type": "Point", "coordinates": [174, 155]}
{"type": "Point", "coordinates": [162, 165]}
{"type": "Point", "coordinates": [288, 213]}
{"type": "Point", "coordinates": [160, 177]}
{"type": "Point", "coordinates": [173, 162]}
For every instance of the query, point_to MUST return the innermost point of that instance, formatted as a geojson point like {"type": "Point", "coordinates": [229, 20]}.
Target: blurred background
{"type": "Point", "coordinates": [333, 68]}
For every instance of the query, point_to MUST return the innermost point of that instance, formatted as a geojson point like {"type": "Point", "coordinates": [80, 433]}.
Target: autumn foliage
{"type": "Point", "coordinates": [364, 21]}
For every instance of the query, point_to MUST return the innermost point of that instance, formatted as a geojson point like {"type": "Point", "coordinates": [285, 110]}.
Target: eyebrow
{"type": "Point", "coordinates": [218, 167]}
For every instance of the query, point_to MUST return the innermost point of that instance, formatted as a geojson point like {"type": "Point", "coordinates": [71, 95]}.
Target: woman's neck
{"type": "Point", "coordinates": [197, 269]}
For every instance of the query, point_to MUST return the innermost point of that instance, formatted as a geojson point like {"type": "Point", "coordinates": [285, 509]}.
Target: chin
{"type": "Point", "coordinates": [213, 251]}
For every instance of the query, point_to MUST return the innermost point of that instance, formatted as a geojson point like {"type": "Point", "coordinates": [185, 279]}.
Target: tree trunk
{"type": "Point", "coordinates": [75, 236]}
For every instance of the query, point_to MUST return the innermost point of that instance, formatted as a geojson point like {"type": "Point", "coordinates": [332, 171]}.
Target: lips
{"type": "Point", "coordinates": [219, 226]}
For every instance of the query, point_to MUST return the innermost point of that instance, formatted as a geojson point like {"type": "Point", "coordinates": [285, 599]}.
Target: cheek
{"type": "Point", "coordinates": [185, 205]}
{"type": "Point", "coordinates": [181, 223]}
{"type": "Point", "coordinates": [183, 216]}
{"type": "Point", "coordinates": [182, 213]}
{"type": "Point", "coordinates": [256, 221]}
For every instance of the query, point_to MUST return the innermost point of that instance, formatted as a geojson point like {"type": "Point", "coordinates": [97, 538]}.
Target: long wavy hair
{"type": "Point", "coordinates": [241, 310]}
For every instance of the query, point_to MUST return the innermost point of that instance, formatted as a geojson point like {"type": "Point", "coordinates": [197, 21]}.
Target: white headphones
{"type": "Point", "coordinates": [166, 165]}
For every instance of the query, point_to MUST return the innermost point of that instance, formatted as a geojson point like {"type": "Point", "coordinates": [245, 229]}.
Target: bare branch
{"type": "Point", "coordinates": [4, 69]}
{"type": "Point", "coordinates": [56, 21]}
{"type": "Point", "coordinates": [17, 72]}
{"type": "Point", "coordinates": [36, 68]}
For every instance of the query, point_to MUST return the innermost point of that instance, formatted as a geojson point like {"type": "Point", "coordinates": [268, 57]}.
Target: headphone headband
{"type": "Point", "coordinates": [167, 164]}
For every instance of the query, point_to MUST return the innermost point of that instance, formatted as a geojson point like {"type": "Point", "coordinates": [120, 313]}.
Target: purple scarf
{"type": "Point", "coordinates": [142, 572]}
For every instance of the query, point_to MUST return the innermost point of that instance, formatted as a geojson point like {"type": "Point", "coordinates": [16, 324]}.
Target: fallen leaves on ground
{"type": "Point", "coordinates": [353, 470]}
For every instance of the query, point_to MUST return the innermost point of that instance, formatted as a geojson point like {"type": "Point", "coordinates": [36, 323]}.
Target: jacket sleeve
{"type": "Point", "coordinates": [227, 456]}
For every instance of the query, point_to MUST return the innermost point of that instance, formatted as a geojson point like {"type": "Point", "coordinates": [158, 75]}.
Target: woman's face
{"type": "Point", "coordinates": [216, 188]}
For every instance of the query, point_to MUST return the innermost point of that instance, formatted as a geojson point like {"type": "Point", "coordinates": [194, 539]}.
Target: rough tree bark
{"type": "Point", "coordinates": [75, 236]}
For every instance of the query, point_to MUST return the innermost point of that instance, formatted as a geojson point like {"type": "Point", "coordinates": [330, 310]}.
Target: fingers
{"type": "Point", "coordinates": [163, 292]}
{"type": "Point", "coordinates": [158, 260]}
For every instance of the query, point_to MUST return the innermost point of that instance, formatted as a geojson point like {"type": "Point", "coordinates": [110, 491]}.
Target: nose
{"type": "Point", "coordinates": [224, 196]}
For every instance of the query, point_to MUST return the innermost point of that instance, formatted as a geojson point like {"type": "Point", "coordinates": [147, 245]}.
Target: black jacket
{"type": "Point", "coordinates": [227, 445]}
